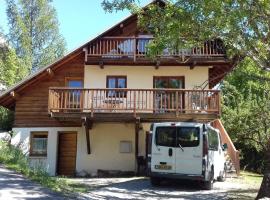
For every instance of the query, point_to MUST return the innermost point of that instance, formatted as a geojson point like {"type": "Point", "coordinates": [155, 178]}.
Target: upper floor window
{"type": "Point", "coordinates": [116, 82]}
{"type": "Point", "coordinates": [74, 82]}
{"type": "Point", "coordinates": [38, 143]}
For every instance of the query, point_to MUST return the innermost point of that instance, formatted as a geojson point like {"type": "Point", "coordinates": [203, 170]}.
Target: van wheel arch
{"type": "Point", "coordinates": [208, 185]}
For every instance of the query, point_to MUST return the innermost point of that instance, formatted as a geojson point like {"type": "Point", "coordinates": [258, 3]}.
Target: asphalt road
{"type": "Point", "coordinates": [15, 186]}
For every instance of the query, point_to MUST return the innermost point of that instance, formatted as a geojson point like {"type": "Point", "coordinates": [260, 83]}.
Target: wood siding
{"type": "Point", "coordinates": [32, 106]}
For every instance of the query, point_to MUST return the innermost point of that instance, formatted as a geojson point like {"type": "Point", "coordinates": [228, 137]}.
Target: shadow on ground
{"type": "Point", "coordinates": [142, 189]}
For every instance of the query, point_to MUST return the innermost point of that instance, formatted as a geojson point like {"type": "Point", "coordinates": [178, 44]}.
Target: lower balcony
{"type": "Point", "coordinates": [147, 105]}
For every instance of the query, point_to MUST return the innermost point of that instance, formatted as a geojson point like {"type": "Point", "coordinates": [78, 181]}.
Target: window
{"type": "Point", "coordinates": [173, 136]}
{"type": "Point", "coordinates": [169, 82]}
{"type": "Point", "coordinates": [188, 136]}
{"type": "Point", "coordinates": [38, 144]}
{"type": "Point", "coordinates": [116, 82]}
{"type": "Point", "coordinates": [165, 136]}
{"type": "Point", "coordinates": [213, 140]}
{"type": "Point", "coordinates": [74, 96]}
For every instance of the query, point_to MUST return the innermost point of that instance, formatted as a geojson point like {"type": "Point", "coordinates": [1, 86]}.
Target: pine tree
{"type": "Point", "coordinates": [34, 32]}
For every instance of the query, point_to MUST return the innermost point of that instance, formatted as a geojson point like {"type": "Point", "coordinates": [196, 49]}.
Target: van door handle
{"type": "Point", "coordinates": [170, 152]}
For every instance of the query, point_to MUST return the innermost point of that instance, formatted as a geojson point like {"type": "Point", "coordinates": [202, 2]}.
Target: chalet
{"type": "Point", "coordinates": [92, 109]}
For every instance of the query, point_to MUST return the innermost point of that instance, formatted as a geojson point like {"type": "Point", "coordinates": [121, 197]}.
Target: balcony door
{"type": "Point", "coordinates": [168, 101]}
{"type": "Point", "coordinates": [74, 96]}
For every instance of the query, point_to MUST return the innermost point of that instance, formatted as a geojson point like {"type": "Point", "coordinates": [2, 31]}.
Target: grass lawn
{"type": "Point", "coordinates": [13, 158]}
{"type": "Point", "coordinates": [250, 182]}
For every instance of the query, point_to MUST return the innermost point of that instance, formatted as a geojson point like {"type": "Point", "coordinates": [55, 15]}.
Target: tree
{"type": "Point", "coordinates": [10, 73]}
{"type": "Point", "coordinates": [34, 32]}
{"type": "Point", "coordinates": [243, 26]}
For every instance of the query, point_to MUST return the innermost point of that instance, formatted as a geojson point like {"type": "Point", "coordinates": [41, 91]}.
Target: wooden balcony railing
{"type": "Point", "coordinates": [155, 101]}
{"type": "Point", "coordinates": [136, 47]}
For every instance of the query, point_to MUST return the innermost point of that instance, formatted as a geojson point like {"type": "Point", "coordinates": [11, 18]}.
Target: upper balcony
{"type": "Point", "coordinates": [149, 105]}
{"type": "Point", "coordinates": [129, 50]}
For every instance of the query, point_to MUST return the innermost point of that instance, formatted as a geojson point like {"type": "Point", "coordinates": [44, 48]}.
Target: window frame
{"type": "Point", "coordinates": [67, 79]}
{"type": "Point", "coordinates": [116, 77]}
{"type": "Point", "coordinates": [32, 134]}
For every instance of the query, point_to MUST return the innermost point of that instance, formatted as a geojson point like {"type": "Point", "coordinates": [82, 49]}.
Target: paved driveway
{"type": "Point", "coordinates": [15, 186]}
{"type": "Point", "coordinates": [141, 189]}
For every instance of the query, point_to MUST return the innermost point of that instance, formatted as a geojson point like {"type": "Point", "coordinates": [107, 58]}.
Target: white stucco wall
{"type": "Point", "coordinates": [49, 163]}
{"type": "Point", "coordinates": [142, 76]}
{"type": "Point", "coordinates": [105, 147]}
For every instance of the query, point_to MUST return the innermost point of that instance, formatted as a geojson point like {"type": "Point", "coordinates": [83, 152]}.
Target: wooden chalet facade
{"type": "Point", "coordinates": [92, 109]}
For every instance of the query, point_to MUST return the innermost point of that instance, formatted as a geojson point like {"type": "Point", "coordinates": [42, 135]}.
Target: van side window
{"type": "Point", "coordinates": [165, 136]}
{"type": "Point", "coordinates": [213, 141]}
{"type": "Point", "coordinates": [188, 136]}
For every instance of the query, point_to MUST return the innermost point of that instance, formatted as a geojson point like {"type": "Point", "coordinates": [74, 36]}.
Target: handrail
{"type": "Point", "coordinates": [131, 89]}
{"type": "Point", "coordinates": [136, 47]}
{"type": "Point", "coordinates": [232, 151]}
{"type": "Point", "coordinates": [96, 100]}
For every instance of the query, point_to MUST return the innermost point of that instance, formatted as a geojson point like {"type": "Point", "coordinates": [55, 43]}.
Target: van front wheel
{"type": "Point", "coordinates": [155, 181]}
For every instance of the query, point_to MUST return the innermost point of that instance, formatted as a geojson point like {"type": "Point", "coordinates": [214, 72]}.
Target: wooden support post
{"type": "Point", "coordinates": [88, 126]}
{"type": "Point", "coordinates": [137, 129]}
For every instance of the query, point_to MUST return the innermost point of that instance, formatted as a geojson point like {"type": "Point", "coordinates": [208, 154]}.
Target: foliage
{"type": "Point", "coordinates": [242, 25]}
{"type": "Point", "coordinates": [10, 66]}
{"type": "Point", "coordinates": [6, 118]}
{"type": "Point", "coordinates": [246, 100]}
{"type": "Point", "coordinates": [244, 28]}
{"type": "Point", "coordinates": [13, 158]}
{"type": "Point", "coordinates": [34, 32]}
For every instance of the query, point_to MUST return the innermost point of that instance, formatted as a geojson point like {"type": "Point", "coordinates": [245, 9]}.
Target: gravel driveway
{"type": "Point", "coordinates": [140, 188]}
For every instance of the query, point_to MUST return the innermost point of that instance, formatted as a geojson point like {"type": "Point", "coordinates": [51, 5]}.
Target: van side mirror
{"type": "Point", "coordinates": [225, 147]}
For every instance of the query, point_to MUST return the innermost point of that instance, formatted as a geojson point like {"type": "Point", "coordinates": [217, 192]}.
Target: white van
{"type": "Point", "coordinates": [184, 150]}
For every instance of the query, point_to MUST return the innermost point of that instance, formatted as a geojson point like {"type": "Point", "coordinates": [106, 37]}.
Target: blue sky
{"type": "Point", "coordinates": [79, 20]}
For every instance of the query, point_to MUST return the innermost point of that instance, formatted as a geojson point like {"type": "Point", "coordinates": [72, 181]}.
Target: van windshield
{"type": "Point", "coordinates": [175, 136]}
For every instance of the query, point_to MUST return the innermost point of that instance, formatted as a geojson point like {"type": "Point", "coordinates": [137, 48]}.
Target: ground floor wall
{"type": "Point", "coordinates": [112, 147]}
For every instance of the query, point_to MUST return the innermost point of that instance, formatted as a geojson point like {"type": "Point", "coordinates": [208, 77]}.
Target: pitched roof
{"type": "Point", "coordinates": [5, 94]}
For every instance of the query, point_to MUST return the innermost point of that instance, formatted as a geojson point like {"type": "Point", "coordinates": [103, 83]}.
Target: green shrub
{"type": "Point", "coordinates": [13, 158]}
{"type": "Point", "coordinates": [6, 118]}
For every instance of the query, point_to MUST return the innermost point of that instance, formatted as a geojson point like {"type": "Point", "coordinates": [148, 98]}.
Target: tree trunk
{"type": "Point", "coordinates": [265, 186]}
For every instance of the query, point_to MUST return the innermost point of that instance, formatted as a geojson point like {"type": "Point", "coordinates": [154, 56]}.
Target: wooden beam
{"type": "Point", "coordinates": [85, 54]}
{"type": "Point", "coordinates": [14, 95]}
{"type": "Point", "coordinates": [88, 126]}
{"type": "Point", "coordinates": [192, 65]}
{"type": "Point", "coordinates": [137, 129]}
{"type": "Point", "coordinates": [157, 64]}
{"type": "Point", "coordinates": [101, 64]}
{"type": "Point", "coordinates": [50, 72]}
